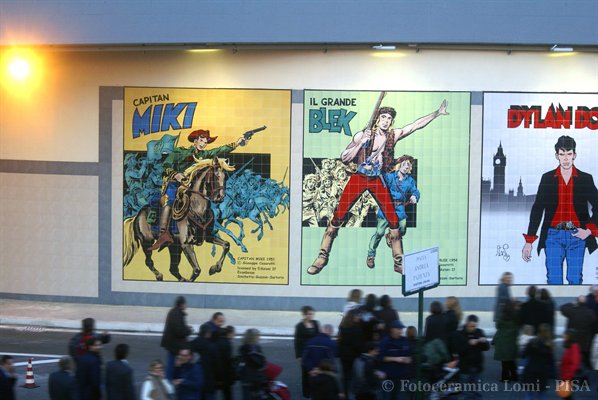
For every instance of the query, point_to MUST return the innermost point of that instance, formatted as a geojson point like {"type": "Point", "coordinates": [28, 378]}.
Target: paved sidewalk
{"type": "Point", "coordinates": [151, 319]}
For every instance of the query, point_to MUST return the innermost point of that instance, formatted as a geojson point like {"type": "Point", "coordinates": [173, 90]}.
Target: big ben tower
{"type": "Point", "coordinates": [500, 162]}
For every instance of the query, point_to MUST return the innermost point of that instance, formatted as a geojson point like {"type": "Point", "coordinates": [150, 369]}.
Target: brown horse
{"type": "Point", "coordinates": [204, 182]}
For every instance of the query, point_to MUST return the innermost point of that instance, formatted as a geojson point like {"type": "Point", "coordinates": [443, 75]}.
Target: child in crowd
{"type": "Point", "coordinates": [526, 335]}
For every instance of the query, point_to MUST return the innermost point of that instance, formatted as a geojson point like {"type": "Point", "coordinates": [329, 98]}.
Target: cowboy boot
{"type": "Point", "coordinates": [370, 261]}
{"type": "Point", "coordinates": [165, 238]}
{"type": "Point", "coordinates": [322, 259]}
{"type": "Point", "coordinates": [396, 246]}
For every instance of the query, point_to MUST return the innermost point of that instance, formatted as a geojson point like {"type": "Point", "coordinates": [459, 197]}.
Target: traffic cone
{"type": "Point", "coordinates": [29, 379]}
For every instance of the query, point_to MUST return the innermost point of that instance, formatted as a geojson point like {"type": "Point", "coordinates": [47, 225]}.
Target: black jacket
{"type": "Point", "coordinates": [539, 366]}
{"type": "Point", "coordinates": [351, 342]}
{"type": "Point", "coordinates": [119, 381]}
{"type": "Point", "coordinates": [303, 334]}
{"type": "Point", "coordinates": [435, 328]}
{"type": "Point", "coordinates": [175, 330]}
{"type": "Point", "coordinates": [531, 312]}
{"type": "Point", "coordinates": [471, 357]}
{"type": "Point", "coordinates": [584, 192]}
{"type": "Point", "coordinates": [254, 365]}
{"type": "Point", "coordinates": [62, 386]}
{"type": "Point", "coordinates": [583, 320]}
{"type": "Point", "coordinates": [210, 362]}
{"type": "Point", "coordinates": [324, 386]}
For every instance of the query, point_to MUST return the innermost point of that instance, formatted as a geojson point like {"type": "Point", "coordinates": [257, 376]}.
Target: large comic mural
{"type": "Point", "coordinates": [539, 206]}
{"type": "Point", "coordinates": [384, 174]}
{"type": "Point", "coordinates": [206, 185]}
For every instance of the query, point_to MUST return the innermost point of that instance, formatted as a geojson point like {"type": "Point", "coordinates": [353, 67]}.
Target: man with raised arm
{"type": "Point", "coordinates": [373, 151]}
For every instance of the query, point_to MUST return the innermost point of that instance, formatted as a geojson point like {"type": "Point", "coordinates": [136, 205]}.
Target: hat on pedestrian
{"type": "Point", "coordinates": [396, 324]}
{"type": "Point", "coordinates": [193, 136]}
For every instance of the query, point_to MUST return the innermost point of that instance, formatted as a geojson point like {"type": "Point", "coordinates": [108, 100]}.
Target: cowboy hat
{"type": "Point", "coordinates": [193, 136]}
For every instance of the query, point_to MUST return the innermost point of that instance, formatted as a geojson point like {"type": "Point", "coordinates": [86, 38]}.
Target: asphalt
{"type": "Point", "coordinates": [151, 319]}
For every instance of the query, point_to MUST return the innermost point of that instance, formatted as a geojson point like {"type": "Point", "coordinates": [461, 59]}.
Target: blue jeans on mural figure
{"type": "Point", "coordinates": [171, 192]}
{"type": "Point", "coordinates": [560, 246]}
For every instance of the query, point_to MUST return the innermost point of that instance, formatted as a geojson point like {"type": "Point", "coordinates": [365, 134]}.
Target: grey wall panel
{"type": "Point", "coordinates": [299, 21]}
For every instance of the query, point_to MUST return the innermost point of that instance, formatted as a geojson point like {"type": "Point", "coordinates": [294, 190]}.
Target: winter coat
{"type": "Point", "coordinates": [191, 375]}
{"type": "Point", "coordinates": [317, 349]}
{"type": "Point", "coordinates": [570, 362]}
{"type": "Point", "coordinates": [324, 386]}
{"type": "Point", "coordinates": [303, 334]}
{"type": "Point", "coordinates": [253, 367]}
{"type": "Point", "coordinates": [583, 320]}
{"type": "Point", "coordinates": [435, 328]}
{"type": "Point", "coordinates": [351, 342]}
{"type": "Point", "coordinates": [505, 340]}
{"type": "Point", "coordinates": [539, 366]}
{"type": "Point", "coordinates": [175, 330]}
{"type": "Point", "coordinates": [471, 357]}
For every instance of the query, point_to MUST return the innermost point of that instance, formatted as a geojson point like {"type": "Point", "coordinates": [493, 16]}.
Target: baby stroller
{"type": "Point", "coordinates": [275, 390]}
{"type": "Point", "coordinates": [439, 371]}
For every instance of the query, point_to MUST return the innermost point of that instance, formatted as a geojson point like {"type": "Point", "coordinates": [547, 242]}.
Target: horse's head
{"type": "Point", "coordinates": [207, 178]}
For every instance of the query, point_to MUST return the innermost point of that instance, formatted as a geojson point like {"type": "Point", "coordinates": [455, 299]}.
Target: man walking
{"type": "Point", "coordinates": [175, 333]}
{"type": "Point", "coordinates": [119, 375]}
{"type": "Point", "coordinates": [320, 347]}
{"type": "Point", "coordinates": [61, 383]}
{"type": "Point", "coordinates": [582, 320]}
{"type": "Point", "coordinates": [8, 378]}
{"type": "Point", "coordinates": [567, 227]}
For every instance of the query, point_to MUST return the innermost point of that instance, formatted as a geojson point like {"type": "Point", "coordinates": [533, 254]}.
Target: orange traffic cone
{"type": "Point", "coordinates": [29, 379]}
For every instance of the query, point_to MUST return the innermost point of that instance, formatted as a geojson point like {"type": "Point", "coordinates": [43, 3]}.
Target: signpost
{"type": "Point", "coordinates": [421, 272]}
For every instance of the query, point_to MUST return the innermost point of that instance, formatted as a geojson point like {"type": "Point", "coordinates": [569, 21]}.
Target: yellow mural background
{"type": "Point", "coordinates": [227, 113]}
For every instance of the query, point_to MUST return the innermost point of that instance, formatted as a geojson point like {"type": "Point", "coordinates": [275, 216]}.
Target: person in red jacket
{"type": "Point", "coordinates": [571, 360]}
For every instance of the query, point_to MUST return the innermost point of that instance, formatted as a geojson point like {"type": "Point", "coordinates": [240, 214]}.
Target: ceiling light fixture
{"type": "Point", "coordinates": [558, 49]}
{"type": "Point", "coordinates": [384, 47]}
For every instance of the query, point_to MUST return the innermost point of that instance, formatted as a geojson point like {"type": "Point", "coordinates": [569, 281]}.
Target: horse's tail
{"type": "Point", "coordinates": [130, 242]}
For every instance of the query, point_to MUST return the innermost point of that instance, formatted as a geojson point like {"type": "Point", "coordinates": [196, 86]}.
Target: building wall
{"type": "Point", "coordinates": [61, 158]}
{"type": "Point", "coordinates": [533, 22]}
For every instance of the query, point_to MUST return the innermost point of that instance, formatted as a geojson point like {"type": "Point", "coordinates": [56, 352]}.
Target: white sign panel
{"type": "Point", "coordinates": [421, 271]}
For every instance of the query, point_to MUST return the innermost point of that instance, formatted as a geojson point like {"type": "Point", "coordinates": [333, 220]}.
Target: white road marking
{"type": "Point", "coordinates": [32, 355]}
{"type": "Point", "coordinates": [51, 361]}
{"type": "Point", "coordinates": [15, 327]}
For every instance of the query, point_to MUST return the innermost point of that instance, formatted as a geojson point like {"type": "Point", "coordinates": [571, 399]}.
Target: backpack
{"type": "Point", "coordinates": [77, 344]}
{"type": "Point", "coordinates": [435, 353]}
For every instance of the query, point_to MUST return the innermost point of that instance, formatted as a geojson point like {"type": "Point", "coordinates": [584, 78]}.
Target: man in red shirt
{"type": "Point", "coordinates": [567, 227]}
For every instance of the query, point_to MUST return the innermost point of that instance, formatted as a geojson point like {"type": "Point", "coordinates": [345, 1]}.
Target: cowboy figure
{"type": "Point", "coordinates": [179, 160]}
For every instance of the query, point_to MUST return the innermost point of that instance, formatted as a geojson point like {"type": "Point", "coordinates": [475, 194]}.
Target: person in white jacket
{"type": "Point", "coordinates": [156, 386]}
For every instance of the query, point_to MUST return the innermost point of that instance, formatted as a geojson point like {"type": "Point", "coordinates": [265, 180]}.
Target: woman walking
{"type": "Point", "coordinates": [539, 367]}
{"type": "Point", "coordinates": [571, 360]}
{"type": "Point", "coordinates": [351, 343]}
{"type": "Point", "coordinates": [156, 386]}
{"type": "Point", "coordinates": [505, 342]}
{"type": "Point", "coordinates": [306, 329]}
{"type": "Point", "coordinates": [252, 374]}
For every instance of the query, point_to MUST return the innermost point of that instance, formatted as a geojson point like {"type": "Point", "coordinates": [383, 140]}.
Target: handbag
{"type": "Point", "coordinates": [564, 389]}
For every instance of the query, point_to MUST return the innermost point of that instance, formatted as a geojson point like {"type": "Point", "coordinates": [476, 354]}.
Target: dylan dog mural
{"type": "Point", "coordinates": [384, 174]}
{"type": "Point", "coordinates": [539, 207]}
{"type": "Point", "coordinates": [206, 185]}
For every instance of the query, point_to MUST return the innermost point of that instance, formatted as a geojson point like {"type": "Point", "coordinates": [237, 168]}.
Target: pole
{"type": "Point", "coordinates": [420, 340]}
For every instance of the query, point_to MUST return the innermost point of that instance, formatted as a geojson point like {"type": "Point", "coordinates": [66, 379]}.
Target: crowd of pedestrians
{"type": "Point", "coordinates": [377, 354]}
{"type": "Point", "coordinates": [372, 354]}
